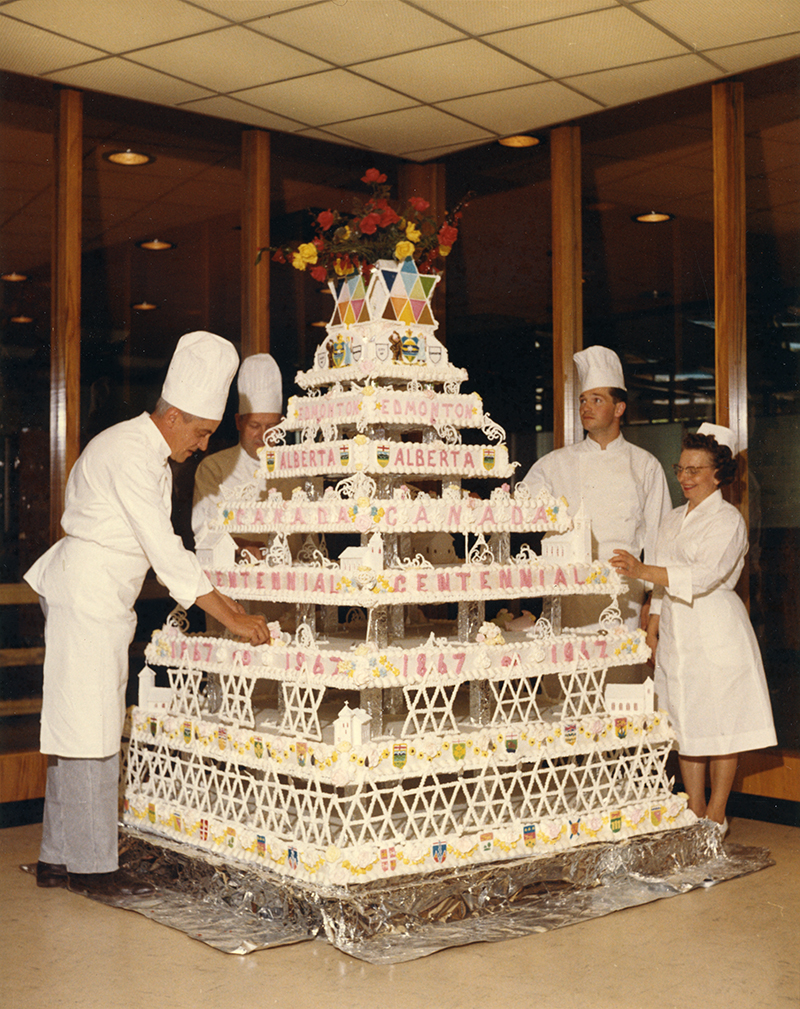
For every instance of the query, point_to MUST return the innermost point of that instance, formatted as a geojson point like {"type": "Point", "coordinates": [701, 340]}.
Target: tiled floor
{"type": "Point", "coordinates": [735, 945]}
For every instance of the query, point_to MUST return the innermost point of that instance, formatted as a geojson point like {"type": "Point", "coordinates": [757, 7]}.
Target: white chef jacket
{"type": "Point", "coordinates": [117, 521]}
{"type": "Point", "coordinates": [217, 475]}
{"type": "Point", "coordinates": [625, 495]}
{"type": "Point", "coordinates": [709, 674]}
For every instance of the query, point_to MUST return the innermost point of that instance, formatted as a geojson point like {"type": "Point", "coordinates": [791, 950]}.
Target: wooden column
{"type": "Point", "coordinates": [429, 182]}
{"type": "Point", "coordinates": [565, 171]}
{"type": "Point", "coordinates": [255, 235]}
{"type": "Point", "coordinates": [730, 290]}
{"type": "Point", "coordinates": [65, 324]}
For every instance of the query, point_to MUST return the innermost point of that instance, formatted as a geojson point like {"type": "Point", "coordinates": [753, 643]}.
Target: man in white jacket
{"type": "Point", "coordinates": [260, 391]}
{"type": "Point", "coordinates": [622, 487]}
{"type": "Point", "coordinates": [117, 524]}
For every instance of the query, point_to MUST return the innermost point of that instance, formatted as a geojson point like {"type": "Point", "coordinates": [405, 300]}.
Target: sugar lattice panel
{"type": "Point", "coordinates": [300, 709]}
{"type": "Point", "coordinates": [187, 696]}
{"type": "Point", "coordinates": [583, 692]}
{"type": "Point", "coordinates": [430, 709]}
{"type": "Point", "coordinates": [515, 700]}
{"type": "Point", "coordinates": [237, 694]}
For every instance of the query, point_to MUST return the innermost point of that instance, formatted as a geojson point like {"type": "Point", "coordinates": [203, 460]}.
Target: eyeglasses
{"type": "Point", "coordinates": [688, 470]}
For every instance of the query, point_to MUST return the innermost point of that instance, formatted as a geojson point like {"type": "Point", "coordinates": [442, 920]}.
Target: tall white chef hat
{"type": "Point", "coordinates": [200, 374]}
{"type": "Point", "coordinates": [598, 368]}
{"type": "Point", "coordinates": [260, 385]}
{"type": "Point", "coordinates": [722, 435]}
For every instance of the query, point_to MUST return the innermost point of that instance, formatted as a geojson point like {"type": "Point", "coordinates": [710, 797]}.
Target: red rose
{"type": "Point", "coordinates": [325, 219]}
{"type": "Point", "coordinates": [373, 175]}
{"type": "Point", "coordinates": [447, 234]}
{"type": "Point", "coordinates": [369, 224]}
{"type": "Point", "coordinates": [319, 273]}
{"type": "Point", "coordinates": [388, 217]}
{"type": "Point", "coordinates": [279, 257]}
{"type": "Point", "coordinates": [418, 204]}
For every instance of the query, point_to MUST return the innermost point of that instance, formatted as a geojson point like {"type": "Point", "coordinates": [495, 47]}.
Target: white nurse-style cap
{"type": "Point", "coordinates": [260, 385]}
{"type": "Point", "coordinates": [200, 374]}
{"type": "Point", "coordinates": [722, 435]}
{"type": "Point", "coordinates": [598, 368]}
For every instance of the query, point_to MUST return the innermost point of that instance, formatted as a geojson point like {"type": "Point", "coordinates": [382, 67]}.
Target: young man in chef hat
{"type": "Point", "coordinates": [260, 390]}
{"type": "Point", "coordinates": [622, 487]}
{"type": "Point", "coordinates": [117, 525]}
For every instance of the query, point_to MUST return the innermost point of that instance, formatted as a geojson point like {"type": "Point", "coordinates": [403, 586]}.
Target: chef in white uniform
{"type": "Point", "coordinates": [260, 391]}
{"type": "Point", "coordinates": [709, 674]}
{"type": "Point", "coordinates": [117, 524]}
{"type": "Point", "coordinates": [622, 487]}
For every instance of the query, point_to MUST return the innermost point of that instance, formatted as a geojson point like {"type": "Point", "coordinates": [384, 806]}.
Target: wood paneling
{"type": "Point", "coordinates": [565, 154]}
{"type": "Point", "coordinates": [774, 773]}
{"type": "Point", "coordinates": [22, 775]}
{"type": "Point", "coordinates": [429, 182]}
{"type": "Point", "coordinates": [255, 236]}
{"type": "Point", "coordinates": [65, 334]}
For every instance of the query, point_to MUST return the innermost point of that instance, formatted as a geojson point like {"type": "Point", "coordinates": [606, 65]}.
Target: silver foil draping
{"type": "Point", "coordinates": [238, 909]}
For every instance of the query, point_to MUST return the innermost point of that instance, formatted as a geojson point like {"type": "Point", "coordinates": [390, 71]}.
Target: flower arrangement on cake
{"type": "Point", "coordinates": [375, 229]}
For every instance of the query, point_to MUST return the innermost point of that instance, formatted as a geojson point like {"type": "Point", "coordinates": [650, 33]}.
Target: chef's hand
{"type": "Point", "coordinates": [651, 637]}
{"type": "Point", "coordinates": [626, 564]}
{"type": "Point", "coordinates": [250, 626]}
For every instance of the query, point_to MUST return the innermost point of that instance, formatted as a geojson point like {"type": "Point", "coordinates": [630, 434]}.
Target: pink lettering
{"type": "Point", "coordinates": [560, 578]}
{"type": "Point", "coordinates": [422, 581]}
{"type": "Point", "coordinates": [459, 657]}
{"type": "Point", "coordinates": [485, 583]}
{"type": "Point", "coordinates": [506, 578]}
{"type": "Point", "coordinates": [443, 582]}
{"type": "Point", "coordinates": [463, 577]}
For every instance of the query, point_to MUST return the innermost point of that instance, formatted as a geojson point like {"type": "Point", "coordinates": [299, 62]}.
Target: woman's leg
{"type": "Point", "coordinates": [722, 770]}
{"type": "Point", "coordinates": [693, 773]}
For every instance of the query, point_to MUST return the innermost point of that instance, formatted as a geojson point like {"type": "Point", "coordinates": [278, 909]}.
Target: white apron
{"type": "Point", "coordinates": [709, 674]}
{"type": "Point", "coordinates": [88, 596]}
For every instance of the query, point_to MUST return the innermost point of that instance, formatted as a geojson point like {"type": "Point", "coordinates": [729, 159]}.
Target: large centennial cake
{"type": "Point", "coordinates": [390, 729]}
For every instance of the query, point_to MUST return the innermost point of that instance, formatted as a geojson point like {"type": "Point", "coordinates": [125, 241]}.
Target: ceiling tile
{"type": "Point", "coordinates": [596, 41]}
{"type": "Point", "coordinates": [644, 80]}
{"type": "Point", "coordinates": [756, 54]}
{"type": "Point", "coordinates": [480, 18]}
{"type": "Point", "coordinates": [326, 98]}
{"type": "Point", "coordinates": [409, 129]}
{"type": "Point", "coordinates": [240, 112]}
{"type": "Point", "coordinates": [229, 59]}
{"type": "Point", "coordinates": [701, 25]}
{"type": "Point", "coordinates": [521, 109]}
{"type": "Point", "coordinates": [118, 76]}
{"type": "Point", "coordinates": [449, 71]}
{"type": "Point", "coordinates": [357, 31]}
{"type": "Point", "coordinates": [238, 11]}
{"type": "Point", "coordinates": [29, 50]}
{"type": "Point", "coordinates": [115, 27]}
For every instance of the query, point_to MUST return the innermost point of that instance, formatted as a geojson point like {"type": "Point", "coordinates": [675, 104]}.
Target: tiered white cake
{"type": "Point", "coordinates": [372, 743]}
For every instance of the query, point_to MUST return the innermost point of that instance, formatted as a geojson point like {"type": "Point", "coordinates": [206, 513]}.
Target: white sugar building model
{"type": "Point", "coordinates": [350, 750]}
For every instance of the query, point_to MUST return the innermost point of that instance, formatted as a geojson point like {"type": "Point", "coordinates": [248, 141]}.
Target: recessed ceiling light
{"type": "Point", "coordinates": [519, 140]}
{"type": "Point", "coordinates": [652, 217]}
{"type": "Point", "coordinates": [13, 277]}
{"type": "Point", "coordinates": [156, 245]}
{"type": "Point", "coordinates": [144, 306]}
{"type": "Point", "coordinates": [21, 319]}
{"type": "Point", "coordinates": [128, 158]}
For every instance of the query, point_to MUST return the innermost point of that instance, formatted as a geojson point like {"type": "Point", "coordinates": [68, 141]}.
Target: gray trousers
{"type": "Point", "coordinates": [80, 813]}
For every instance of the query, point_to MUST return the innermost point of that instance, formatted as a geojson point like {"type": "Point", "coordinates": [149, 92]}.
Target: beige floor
{"type": "Point", "coordinates": [735, 945]}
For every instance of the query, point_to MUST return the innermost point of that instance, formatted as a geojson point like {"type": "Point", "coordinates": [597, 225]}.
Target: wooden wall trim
{"type": "Point", "coordinates": [255, 235]}
{"type": "Point", "coordinates": [429, 182]}
{"type": "Point", "coordinates": [567, 240]}
{"type": "Point", "coordinates": [65, 326]}
{"type": "Point", "coordinates": [730, 271]}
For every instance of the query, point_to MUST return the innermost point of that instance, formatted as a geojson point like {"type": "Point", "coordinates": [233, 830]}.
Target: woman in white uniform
{"type": "Point", "coordinates": [709, 675]}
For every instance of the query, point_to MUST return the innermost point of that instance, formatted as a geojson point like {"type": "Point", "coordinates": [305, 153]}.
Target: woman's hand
{"type": "Point", "coordinates": [626, 564]}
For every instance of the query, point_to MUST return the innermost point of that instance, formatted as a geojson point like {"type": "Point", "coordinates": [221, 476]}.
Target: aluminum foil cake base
{"type": "Point", "coordinates": [240, 909]}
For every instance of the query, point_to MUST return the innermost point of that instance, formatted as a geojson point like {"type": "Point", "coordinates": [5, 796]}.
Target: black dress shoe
{"type": "Point", "coordinates": [48, 874]}
{"type": "Point", "coordinates": [109, 884]}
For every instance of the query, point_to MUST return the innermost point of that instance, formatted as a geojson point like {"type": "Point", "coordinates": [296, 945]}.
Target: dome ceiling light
{"type": "Point", "coordinates": [128, 158]}
{"type": "Point", "coordinates": [653, 217]}
{"type": "Point", "coordinates": [156, 245]}
{"type": "Point", "coordinates": [519, 140]}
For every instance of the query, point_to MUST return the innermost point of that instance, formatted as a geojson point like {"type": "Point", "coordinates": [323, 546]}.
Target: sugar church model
{"type": "Point", "coordinates": [378, 744]}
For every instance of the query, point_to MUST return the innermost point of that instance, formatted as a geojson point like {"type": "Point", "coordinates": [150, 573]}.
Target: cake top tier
{"type": "Point", "coordinates": [382, 327]}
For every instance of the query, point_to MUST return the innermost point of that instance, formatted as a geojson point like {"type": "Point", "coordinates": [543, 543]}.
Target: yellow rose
{"type": "Point", "coordinates": [413, 234]}
{"type": "Point", "coordinates": [343, 268]}
{"type": "Point", "coordinates": [403, 250]}
{"type": "Point", "coordinates": [306, 255]}
{"type": "Point", "coordinates": [444, 250]}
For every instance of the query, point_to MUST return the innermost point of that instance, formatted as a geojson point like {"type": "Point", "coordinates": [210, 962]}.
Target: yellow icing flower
{"type": "Point", "coordinates": [413, 234]}
{"type": "Point", "coordinates": [403, 250]}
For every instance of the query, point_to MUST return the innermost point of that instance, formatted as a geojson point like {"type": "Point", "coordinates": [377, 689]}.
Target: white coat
{"type": "Point", "coordinates": [117, 521]}
{"type": "Point", "coordinates": [709, 674]}
{"type": "Point", "coordinates": [625, 495]}
{"type": "Point", "coordinates": [218, 476]}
